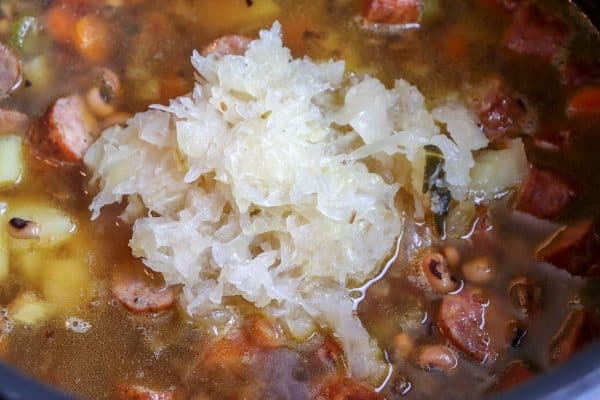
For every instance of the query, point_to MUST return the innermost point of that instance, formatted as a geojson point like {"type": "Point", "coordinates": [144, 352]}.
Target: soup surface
{"type": "Point", "coordinates": [481, 296]}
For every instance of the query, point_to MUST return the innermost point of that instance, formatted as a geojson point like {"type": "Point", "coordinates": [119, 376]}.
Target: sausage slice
{"type": "Point", "coordinates": [391, 11]}
{"type": "Point", "coordinates": [516, 373]}
{"type": "Point", "coordinates": [537, 33]}
{"type": "Point", "coordinates": [577, 73]}
{"type": "Point", "coordinates": [227, 45]}
{"type": "Point", "coordinates": [576, 249]}
{"type": "Point", "coordinates": [462, 318]}
{"type": "Point", "coordinates": [12, 121]}
{"type": "Point", "coordinates": [65, 132]}
{"type": "Point", "coordinates": [141, 291]}
{"type": "Point", "coordinates": [506, 5]}
{"type": "Point", "coordinates": [137, 392]}
{"type": "Point", "coordinates": [545, 194]}
{"type": "Point", "coordinates": [10, 71]}
{"type": "Point", "coordinates": [501, 111]}
{"type": "Point", "coordinates": [340, 388]}
{"type": "Point", "coordinates": [575, 332]}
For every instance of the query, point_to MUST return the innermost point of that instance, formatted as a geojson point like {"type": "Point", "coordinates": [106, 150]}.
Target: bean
{"type": "Point", "coordinates": [436, 271]}
{"type": "Point", "coordinates": [99, 104]}
{"type": "Point", "coordinates": [102, 98]}
{"type": "Point", "coordinates": [20, 228]}
{"type": "Point", "coordinates": [400, 385]}
{"type": "Point", "coordinates": [525, 295]}
{"type": "Point", "coordinates": [438, 357]}
{"type": "Point", "coordinates": [403, 345]}
{"type": "Point", "coordinates": [516, 334]}
{"type": "Point", "coordinates": [452, 256]}
{"type": "Point", "coordinates": [109, 83]}
{"type": "Point", "coordinates": [478, 271]}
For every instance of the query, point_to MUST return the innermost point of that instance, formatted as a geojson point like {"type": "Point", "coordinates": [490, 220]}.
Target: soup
{"type": "Point", "coordinates": [474, 288]}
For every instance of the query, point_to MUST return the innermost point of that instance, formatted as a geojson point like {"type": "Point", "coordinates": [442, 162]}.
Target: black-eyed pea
{"type": "Point", "coordinates": [478, 271]}
{"type": "Point", "coordinates": [438, 357]}
{"type": "Point", "coordinates": [452, 256]}
{"type": "Point", "coordinates": [403, 345]}
{"type": "Point", "coordinates": [525, 295]}
{"type": "Point", "coordinates": [436, 270]}
{"type": "Point", "coordinates": [100, 105]}
{"type": "Point", "coordinates": [400, 385]}
{"type": "Point", "coordinates": [19, 228]}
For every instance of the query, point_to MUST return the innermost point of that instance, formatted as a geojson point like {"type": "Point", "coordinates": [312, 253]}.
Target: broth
{"type": "Point", "coordinates": [457, 47]}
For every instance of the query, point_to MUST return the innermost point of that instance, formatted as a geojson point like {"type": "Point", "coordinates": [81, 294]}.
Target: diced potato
{"type": "Point", "coordinates": [66, 283]}
{"type": "Point", "coordinates": [11, 160]}
{"type": "Point", "coordinates": [39, 72]}
{"type": "Point", "coordinates": [27, 309]}
{"type": "Point", "coordinates": [56, 227]}
{"type": "Point", "coordinates": [4, 254]}
{"type": "Point", "coordinates": [460, 219]}
{"type": "Point", "coordinates": [497, 171]}
{"type": "Point", "coordinates": [28, 264]}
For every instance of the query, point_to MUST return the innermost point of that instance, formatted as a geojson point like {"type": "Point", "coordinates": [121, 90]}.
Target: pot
{"type": "Point", "coordinates": [576, 379]}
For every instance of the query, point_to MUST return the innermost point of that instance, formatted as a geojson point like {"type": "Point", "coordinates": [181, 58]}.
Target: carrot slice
{"type": "Point", "coordinates": [92, 38]}
{"type": "Point", "coordinates": [585, 101]}
{"type": "Point", "coordinates": [456, 44]}
{"type": "Point", "coordinates": [60, 24]}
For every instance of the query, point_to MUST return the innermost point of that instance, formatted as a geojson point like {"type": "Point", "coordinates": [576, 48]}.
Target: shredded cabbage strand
{"type": "Point", "coordinates": [257, 185]}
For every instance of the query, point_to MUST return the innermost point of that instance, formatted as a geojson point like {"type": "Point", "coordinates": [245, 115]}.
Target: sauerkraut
{"type": "Point", "coordinates": [260, 184]}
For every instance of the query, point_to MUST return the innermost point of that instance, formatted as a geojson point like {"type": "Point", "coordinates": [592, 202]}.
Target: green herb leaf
{"type": "Point", "coordinates": [433, 183]}
{"type": "Point", "coordinates": [22, 27]}
{"type": "Point", "coordinates": [434, 163]}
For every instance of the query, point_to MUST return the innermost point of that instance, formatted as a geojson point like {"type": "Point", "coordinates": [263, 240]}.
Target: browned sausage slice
{"type": "Point", "coordinates": [507, 5]}
{"type": "Point", "coordinates": [462, 318]}
{"type": "Point", "coordinates": [12, 121]}
{"type": "Point", "coordinates": [501, 111]}
{"type": "Point", "coordinates": [141, 291]}
{"type": "Point", "coordinates": [555, 140]}
{"type": "Point", "coordinates": [227, 45]}
{"type": "Point", "coordinates": [575, 332]}
{"type": "Point", "coordinates": [537, 33]}
{"type": "Point", "coordinates": [10, 71]}
{"type": "Point", "coordinates": [330, 353]}
{"type": "Point", "coordinates": [64, 133]}
{"type": "Point", "coordinates": [545, 194]}
{"type": "Point", "coordinates": [575, 249]}
{"type": "Point", "coordinates": [577, 73]}
{"type": "Point", "coordinates": [342, 388]}
{"type": "Point", "coordinates": [391, 11]}
{"type": "Point", "coordinates": [137, 392]}
{"type": "Point", "coordinates": [515, 374]}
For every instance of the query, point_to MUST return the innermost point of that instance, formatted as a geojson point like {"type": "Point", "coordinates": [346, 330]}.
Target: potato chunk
{"type": "Point", "coordinates": [4, 253]}
{"type": "Point", "coordinates": [66, 283]}
{"type": "Point", "coordinates": [28, 309]}
{"type": "Point", "coordinates": [11, 161]}
{"type": "Point", "coordinates": [55, 226]}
